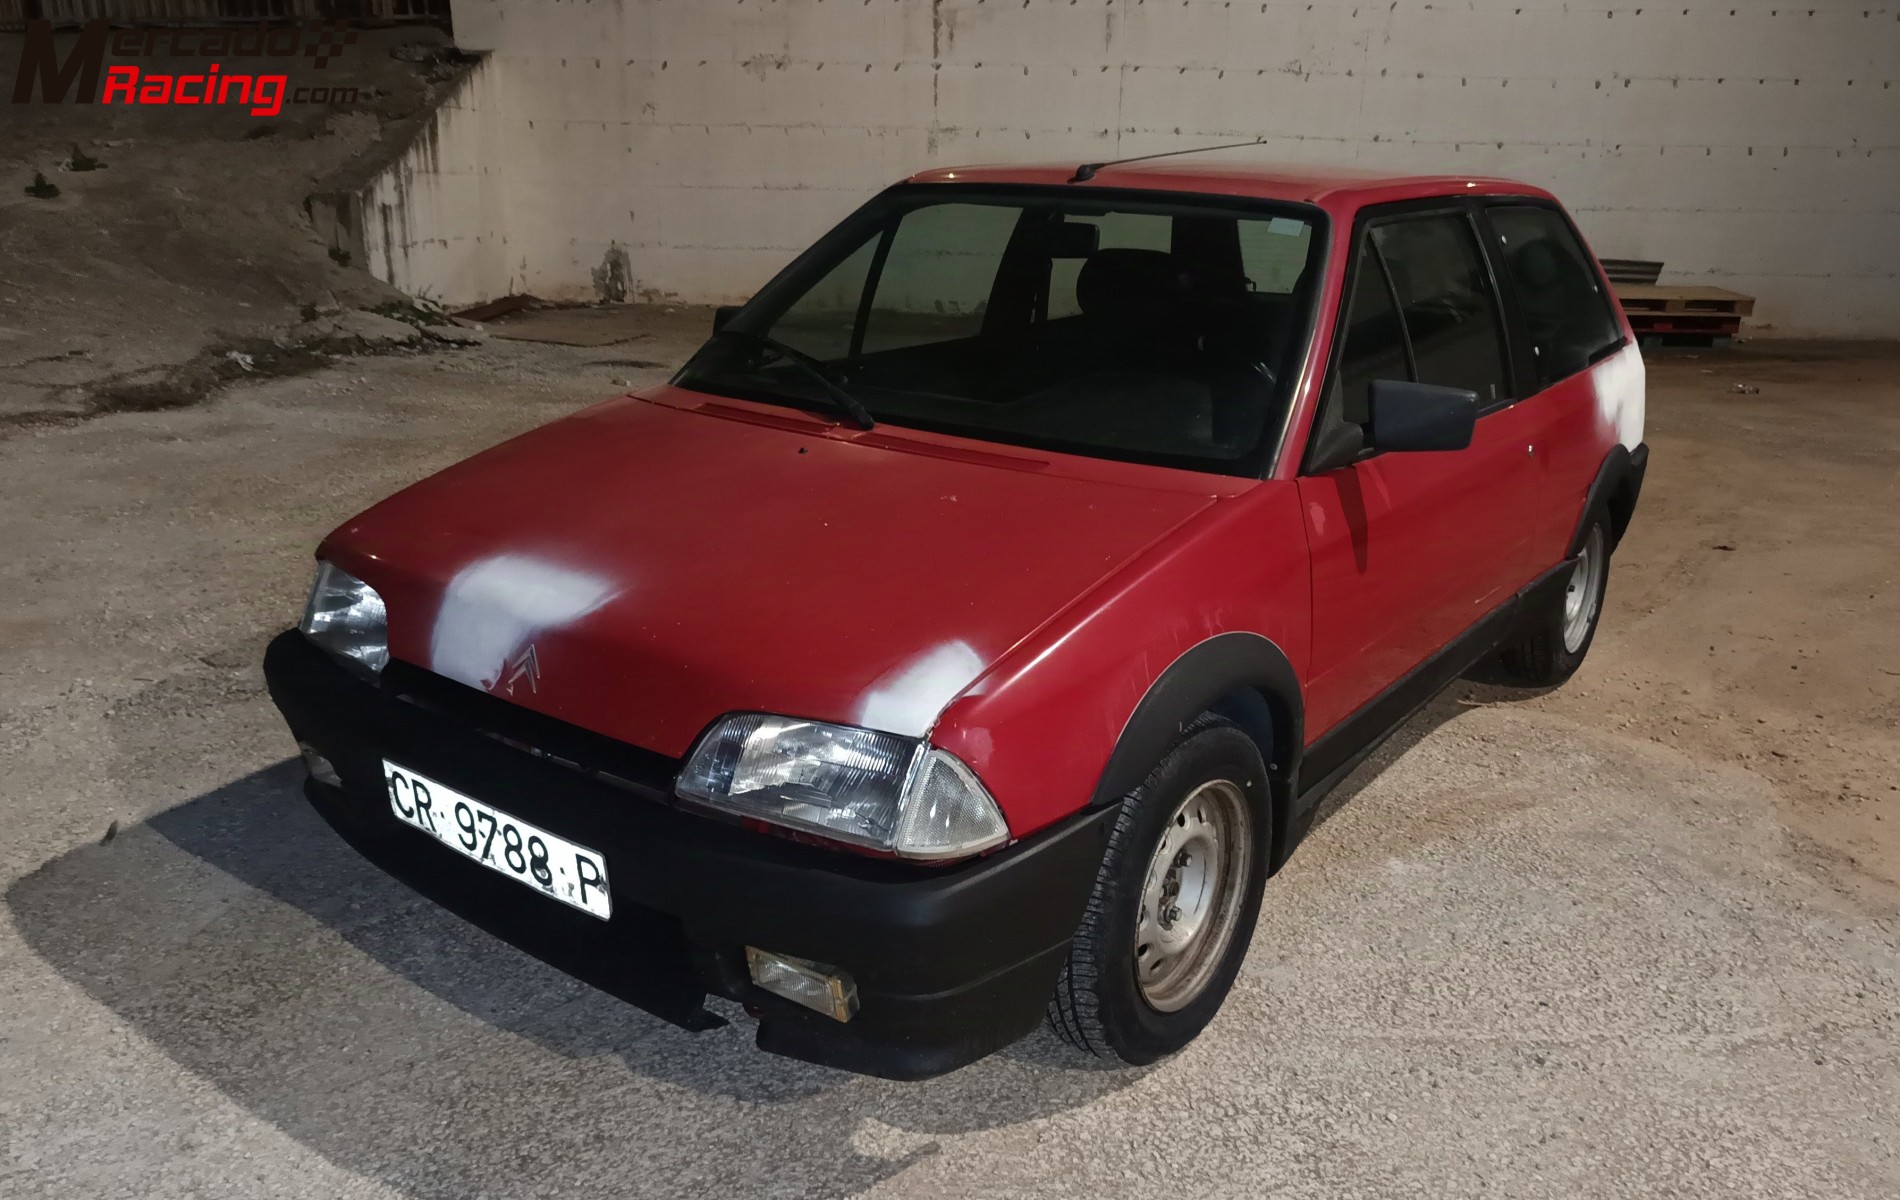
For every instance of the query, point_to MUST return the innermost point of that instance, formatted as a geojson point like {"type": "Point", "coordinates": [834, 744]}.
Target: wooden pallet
{"type": "Point", "coordinates": [1684, 325]}
{"type": "Point", "coordinates": [1682, 298]}
{"type": "Point", "coordinates": [1631, 270]}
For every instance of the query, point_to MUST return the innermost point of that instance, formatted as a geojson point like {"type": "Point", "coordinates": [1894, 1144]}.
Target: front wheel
{"type": "Point", "coordinates": [1174, 903]}
{"type": "Point", "coordinates": [1552, 646]}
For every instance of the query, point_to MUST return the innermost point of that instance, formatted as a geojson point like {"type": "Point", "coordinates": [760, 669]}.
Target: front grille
{"type": "Point", "coordinates": [642, 772]}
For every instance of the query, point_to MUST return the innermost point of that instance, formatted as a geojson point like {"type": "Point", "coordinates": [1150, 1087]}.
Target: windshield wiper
{"type": "Point", "coordinates": [817, 369]}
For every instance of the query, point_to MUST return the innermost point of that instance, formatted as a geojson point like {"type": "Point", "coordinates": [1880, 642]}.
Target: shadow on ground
{"type": "Point", "coordinates": [1484, 684]}
{"type": "Point", "coordinates": [240, 936]}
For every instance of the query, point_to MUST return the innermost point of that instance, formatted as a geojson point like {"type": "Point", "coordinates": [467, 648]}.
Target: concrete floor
{"type": "Point", "coordinates": [1592, 943]}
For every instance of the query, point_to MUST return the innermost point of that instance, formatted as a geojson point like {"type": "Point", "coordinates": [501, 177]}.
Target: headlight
{"type": "Point", "coordinates": [877, 790]}
{"type": "Point", "coordinates": [346, 617]}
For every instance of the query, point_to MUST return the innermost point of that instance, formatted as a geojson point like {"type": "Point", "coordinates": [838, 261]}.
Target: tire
{"type": "Point", "coordinates": [1150, 966]}
{"type": "Point", "coordinates": [1554, 643]}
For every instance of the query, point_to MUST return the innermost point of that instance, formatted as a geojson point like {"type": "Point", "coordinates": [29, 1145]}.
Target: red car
{"type": "Point", "coordinates": [972, 626]}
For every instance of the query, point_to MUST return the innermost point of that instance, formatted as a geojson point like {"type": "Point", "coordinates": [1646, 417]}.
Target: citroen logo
{"type": "Point", "coordinates": [522, 668]}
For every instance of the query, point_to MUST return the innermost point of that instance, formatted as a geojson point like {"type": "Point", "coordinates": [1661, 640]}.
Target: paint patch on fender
{"type": "Point", "coordinates": [907, 700]}
{"type": "Point", "coordinates": [1620, 385]}
{"type": "Point", "coordinates": [494, 606]}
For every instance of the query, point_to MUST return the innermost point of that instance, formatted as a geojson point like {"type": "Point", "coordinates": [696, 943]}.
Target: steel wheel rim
{"type": "Point", "coordinates": [1582, 592]}
{"type": "Point", "coordinates": [1191, 896]}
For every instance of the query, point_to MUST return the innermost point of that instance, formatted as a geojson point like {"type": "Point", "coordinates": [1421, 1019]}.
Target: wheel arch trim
{"type": "Point", "coordinates": [1612, 493]}
{"type": "Point", "coordinates": [1242, 676]}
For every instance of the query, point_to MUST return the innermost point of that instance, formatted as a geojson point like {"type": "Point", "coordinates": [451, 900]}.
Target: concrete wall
{"type": "Point", "coordinates": [689, 147]}
{"type": "Point", "coordinates": [436, 221]}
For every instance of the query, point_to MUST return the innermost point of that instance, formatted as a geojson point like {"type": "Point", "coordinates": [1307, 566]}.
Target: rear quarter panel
{"type": "Point", "coordinates": [1040, 725]}
{"type": "Point", "coordinates": [1584, 418]}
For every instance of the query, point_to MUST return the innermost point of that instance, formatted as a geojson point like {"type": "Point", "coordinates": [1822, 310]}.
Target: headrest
{"type": "Point", "coordinates": [1538, 265]}
{"type": "Point", "coordinates": [1128, 281]}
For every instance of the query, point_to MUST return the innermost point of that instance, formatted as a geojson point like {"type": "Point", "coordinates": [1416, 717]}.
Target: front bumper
{"type": "Point", "coordinates": [951, 963]}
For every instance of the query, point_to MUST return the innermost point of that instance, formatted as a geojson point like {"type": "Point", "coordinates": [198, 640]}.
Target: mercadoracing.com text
{"type": "Point", "coordinates": [77, 73]}
{"type": "Point", "coordinates": [263, 93]}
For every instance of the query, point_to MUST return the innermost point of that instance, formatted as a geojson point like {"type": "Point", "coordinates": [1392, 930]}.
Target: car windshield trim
{"type": "Point", "coordinates": [861, 248]}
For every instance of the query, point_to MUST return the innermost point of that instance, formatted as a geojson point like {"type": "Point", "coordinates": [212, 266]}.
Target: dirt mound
{"type": "Point", "coordinates": [178, 235]}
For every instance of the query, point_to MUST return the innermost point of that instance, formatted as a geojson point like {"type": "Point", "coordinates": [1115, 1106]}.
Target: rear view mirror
{"type": "Point", "coordinates": [1073, 239]}
{"type": "Point", "coordinates": [1403, 415]}
{"type": "Point", "coordinates": [723, 315]}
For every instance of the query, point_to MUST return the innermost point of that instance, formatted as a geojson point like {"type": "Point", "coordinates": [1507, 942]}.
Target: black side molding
{"type": "Point", "coordinates": [1335, 753]}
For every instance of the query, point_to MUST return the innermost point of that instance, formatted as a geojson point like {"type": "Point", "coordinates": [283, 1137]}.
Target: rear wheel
{"type": "Point", "coordinates": [1174, 903]}
{"type": "Point", "coordinates": [1552, 647]}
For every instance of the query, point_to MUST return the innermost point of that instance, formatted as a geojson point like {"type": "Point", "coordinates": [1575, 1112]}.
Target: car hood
{"type": "Point", "coordinates": [645, 566]}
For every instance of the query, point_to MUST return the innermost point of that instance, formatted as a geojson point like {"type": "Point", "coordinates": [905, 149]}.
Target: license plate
{"type": "Point", "coordinates": [525, 853]}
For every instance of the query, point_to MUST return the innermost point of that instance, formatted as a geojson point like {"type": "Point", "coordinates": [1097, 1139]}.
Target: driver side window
{"type": "Point", "coordinates": [1450, 314]}
{"type": "Point", "coordinates": [1420, 308]}
{"type": "Point", "coordinates": [1374, 338]}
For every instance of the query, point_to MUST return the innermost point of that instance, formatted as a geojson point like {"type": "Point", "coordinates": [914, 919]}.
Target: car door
{"type": "Point", "coordinates": [1569, 335]}
{"type": "Point", "coordinates": [1410, 549]}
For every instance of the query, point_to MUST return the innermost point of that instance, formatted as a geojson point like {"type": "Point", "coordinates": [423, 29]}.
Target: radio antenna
{"type": "Point", "coordinates": [1087, 171]}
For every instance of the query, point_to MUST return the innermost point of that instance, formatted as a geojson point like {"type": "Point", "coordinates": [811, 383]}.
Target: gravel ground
{"type": "Point", "coordinates": [1536, 949]}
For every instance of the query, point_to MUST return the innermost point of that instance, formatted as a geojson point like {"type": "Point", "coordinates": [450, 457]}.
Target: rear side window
{"type": "Point", "coordinates": [1566, 314]}
{"type": "Point", "coordinates": [1451, 316]}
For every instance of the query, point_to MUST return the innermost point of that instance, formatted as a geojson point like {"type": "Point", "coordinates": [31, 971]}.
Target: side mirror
{"type": "Point", "coordinates": [723, 315]}
{"type": "Point", "coordinates": [1419, 416]}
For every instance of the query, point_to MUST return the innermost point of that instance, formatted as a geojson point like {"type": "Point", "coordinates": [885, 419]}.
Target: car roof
{"type": "Point", "coordinates": [1339, 190]}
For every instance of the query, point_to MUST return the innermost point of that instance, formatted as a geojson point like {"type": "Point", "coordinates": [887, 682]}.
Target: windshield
{"type": "Point", "coordinates": [1105, 323]}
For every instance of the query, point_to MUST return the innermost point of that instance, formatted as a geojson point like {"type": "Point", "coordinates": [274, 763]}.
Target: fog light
{"type": "Point", "coordinates": [816, 986]}
{"type": "Point", "coordinates": [319, 766]}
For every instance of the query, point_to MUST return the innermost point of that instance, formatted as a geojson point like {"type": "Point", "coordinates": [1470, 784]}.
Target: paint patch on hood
{"type": "Point", "coordinates": [1620, 386]}
{"type": "Point", "coordinates": [907, 700]}
{"type": "Point", "coordinates": [494, 606]}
